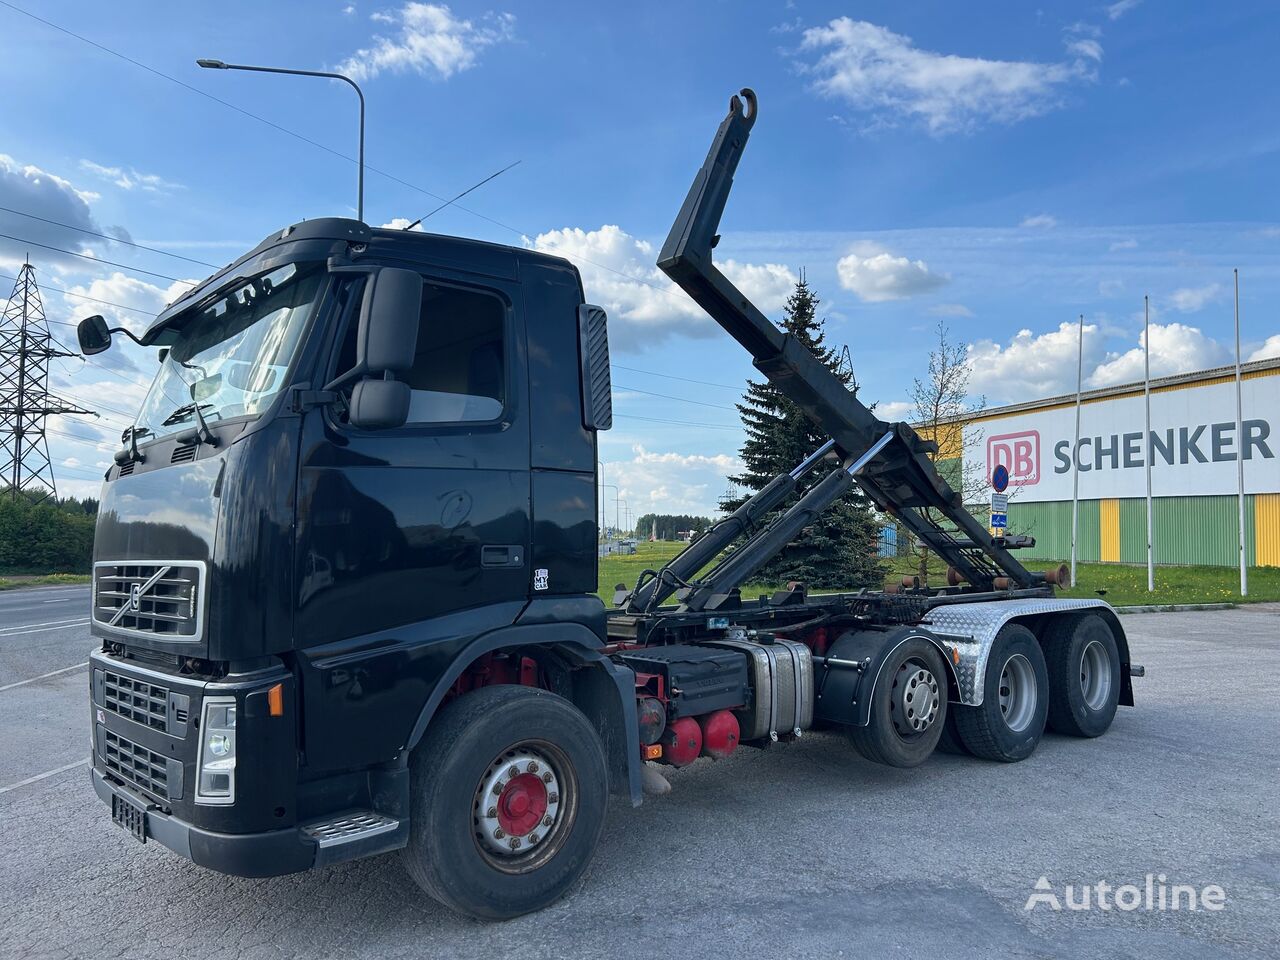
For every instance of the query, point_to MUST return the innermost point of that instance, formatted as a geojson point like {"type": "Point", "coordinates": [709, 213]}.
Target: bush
{"type": "Point", "coordinates": [45, 537]}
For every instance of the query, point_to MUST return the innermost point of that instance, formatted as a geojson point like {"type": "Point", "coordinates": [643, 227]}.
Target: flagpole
{"type": "Point", "coordinates": [1146, 340]}
{"type": "Point", "coordinates": [1075, 455]}
{"type": "Point", "coordinates": [1241, 447]}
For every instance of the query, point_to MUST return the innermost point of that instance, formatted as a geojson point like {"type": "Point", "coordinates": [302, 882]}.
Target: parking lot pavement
{"type": "Point", "coordinates": [801, 851]}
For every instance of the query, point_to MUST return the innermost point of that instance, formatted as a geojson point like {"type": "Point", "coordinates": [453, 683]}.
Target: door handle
{"type": "Point", "coordinates": [502, 557]}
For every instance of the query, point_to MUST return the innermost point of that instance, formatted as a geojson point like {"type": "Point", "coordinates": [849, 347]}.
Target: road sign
{"type": "Point", "coordinates": [1000, 478]}
{"type": "Point", "coordinates": [1000, 520]}
{"type": "Point", "coordinates": [999, 503]}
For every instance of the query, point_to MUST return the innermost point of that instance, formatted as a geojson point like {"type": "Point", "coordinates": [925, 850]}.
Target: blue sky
{"type": "Point", "coordinates": [1000, 167]}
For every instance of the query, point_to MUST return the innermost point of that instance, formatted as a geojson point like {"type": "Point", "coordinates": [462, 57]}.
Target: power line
{"type": "Point", "coordinates": [85, 256]}
{"type": "Point", "coordinates": [669, 376]}
{"type": "Point", "coordinates": [104, 236]}
{"type": "Point", "coordinates": [675, 423]}
{"type": "Point", "coordinates": [70, 293]}
{"type": "Point", "coordinates": [667, 396]}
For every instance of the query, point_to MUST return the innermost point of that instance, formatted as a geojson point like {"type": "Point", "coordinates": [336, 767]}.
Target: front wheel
{"type": "Point", "coordinates": [1007, 725]}
{"type": "Point", "coordinates": [509, 789]}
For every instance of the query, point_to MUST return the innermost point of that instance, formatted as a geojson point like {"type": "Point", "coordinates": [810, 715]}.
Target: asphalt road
{"type": "Point", "coordinates": [803, 851]}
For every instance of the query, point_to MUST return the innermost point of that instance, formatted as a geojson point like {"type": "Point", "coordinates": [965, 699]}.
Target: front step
{"type": "Point", "coordinates": [356, 833]}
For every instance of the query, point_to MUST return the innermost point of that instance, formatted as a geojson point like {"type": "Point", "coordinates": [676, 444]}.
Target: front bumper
{"type": "Point", "coordinates": [144, 766]}
{"type": "Point", "coordinates": [268, 854]}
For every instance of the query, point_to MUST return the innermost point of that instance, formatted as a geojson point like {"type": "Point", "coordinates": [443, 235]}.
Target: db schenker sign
{"type": "Point", "coordinates": [1192, 445]}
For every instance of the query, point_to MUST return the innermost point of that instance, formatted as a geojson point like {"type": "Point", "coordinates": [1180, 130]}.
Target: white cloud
{"type": "Point", "coordinates": [127, 292]}
{"type": "Point", "coordinates": [1041, 220]}
{"type": "Point", "coordinates": [895, 410]}
{"type": "Point", "coordinates": [1033, 366]}
{"type": "Point", "coordinates": [950, 310]}
{"type": "Point", "coordinates": [1127, 244]}
{"type": "Point", "coordinates": [1271, 348]}
{"type": "Point", "coordinates": [1191, 299]}
{"type": "Point", "coordinates": [35, 191]}
{"type": "Point", "coordinates": [645, 308]}
{"type": "Point", "coordinates": [876, 275]}
{"type": "Point", "coordinates": [1085, 47]}
{"type": "Point", "coordinates": [1118, 9]}
{"type": "Point", "coordinates": [431, 42]}
{"type": "Point", "coordinates": [130, 179]}
{"type": "Point", "coordinates": [349, 9]}
{"type": "Point", "coordinates": [876, 70]}
{"type": "Point", "coordinates": [1175, 348]}
{"type": "Point", "coordinates": [665, 482]}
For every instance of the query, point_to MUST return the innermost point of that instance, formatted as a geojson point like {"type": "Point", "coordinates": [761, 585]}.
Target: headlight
{"type": "Point", "coordinates": [217, 760]}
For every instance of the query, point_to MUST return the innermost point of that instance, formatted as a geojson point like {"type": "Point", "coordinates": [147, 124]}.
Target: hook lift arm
{"type": "Point", "coordinates": [894, 468]}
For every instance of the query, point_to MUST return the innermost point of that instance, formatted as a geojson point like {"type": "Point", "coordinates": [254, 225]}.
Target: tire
{"type": "Point", "coordinates": [1084, 675]}
{"type": "Point", "coordinates": [950, 741]}
{"type": "Point", "coordinates": [891, 738]}
{"type": "Point", "coordinates": [1009, 722]}
{"type": "Point", "coordinates": [480, 747]}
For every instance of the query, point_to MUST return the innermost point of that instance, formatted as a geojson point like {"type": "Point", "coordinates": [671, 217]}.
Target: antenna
{"type": "Point", "coordinates": [491, 176]}
{"type": "Point", "coordinates": [26, 347]}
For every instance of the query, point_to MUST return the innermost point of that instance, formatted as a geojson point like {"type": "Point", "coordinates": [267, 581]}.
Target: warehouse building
{"type": "Point", "coordinates": [1192, 447]}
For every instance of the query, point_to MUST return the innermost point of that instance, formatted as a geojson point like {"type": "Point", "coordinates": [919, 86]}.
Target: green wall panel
{"type": "Point", "coordinates": [1187, 530]}
{"type": "Point", "coordinates": [1050, 524]}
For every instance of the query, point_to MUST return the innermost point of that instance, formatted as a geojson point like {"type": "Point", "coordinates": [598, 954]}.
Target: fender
{"type": "Point", "coordinates": [844, 692]}
{"type": "Point", "coordinates": [602, 690]}
{"type": "Point", "coordinates": [971, 629]}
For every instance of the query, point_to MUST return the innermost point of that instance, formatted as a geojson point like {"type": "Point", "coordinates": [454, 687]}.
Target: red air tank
{"type": "Point", "coordinates": [682, 742]}
{"type": "Point", "coordinates": [719, 734]}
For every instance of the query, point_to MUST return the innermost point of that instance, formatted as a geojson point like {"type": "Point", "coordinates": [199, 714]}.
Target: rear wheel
{"type": "Point", "coordinates": [1084, 675]}
{"type": "Point", "coordinates": [908, 707]}
{"type": "Point", "coordinates": [1007, 725]}
{"type": "Point", "coordinates": [509, 789]}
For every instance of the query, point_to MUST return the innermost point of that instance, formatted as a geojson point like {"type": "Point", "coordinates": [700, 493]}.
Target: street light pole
{"type": "Point", "coordinates": [220, 65]}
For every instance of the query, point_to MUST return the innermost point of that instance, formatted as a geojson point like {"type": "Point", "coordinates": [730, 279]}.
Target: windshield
{"type": "Point", "coordinates": [231, 356]}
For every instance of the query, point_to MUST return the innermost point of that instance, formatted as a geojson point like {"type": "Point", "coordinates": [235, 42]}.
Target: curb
{"type": "Point", "coordinates": [1174, 607]}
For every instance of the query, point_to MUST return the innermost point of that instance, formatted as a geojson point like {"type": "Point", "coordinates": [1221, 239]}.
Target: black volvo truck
{"type": "Point", "coordinates": [345, 570]}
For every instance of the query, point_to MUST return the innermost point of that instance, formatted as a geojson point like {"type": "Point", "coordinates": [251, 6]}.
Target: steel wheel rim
{"type": "Point", "coordinates": [1095, 675]}
{"type": "Point", "coordinates": [505, 795]}
{"type": "Point", "coordinates": [915, 700]}
{"type": "Point", "coordinates": [1019, 693]}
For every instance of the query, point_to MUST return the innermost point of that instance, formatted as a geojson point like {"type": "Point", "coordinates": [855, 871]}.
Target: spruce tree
{"type": "Point", "coordinates": [839, 550]}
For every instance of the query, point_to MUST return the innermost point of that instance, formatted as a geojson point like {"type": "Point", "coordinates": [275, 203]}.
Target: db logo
{"type": "Point", "coordinates": [1019, 453]}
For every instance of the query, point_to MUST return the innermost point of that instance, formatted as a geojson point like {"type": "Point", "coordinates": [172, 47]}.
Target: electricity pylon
{"type": "Point", "coordinates": [26, 347]}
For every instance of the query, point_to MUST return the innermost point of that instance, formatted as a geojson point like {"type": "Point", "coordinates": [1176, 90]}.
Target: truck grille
{"type": "Point", "coordinates": [159, 598]}
{"type": "Point", "coordinates": [136, 700]}
{"type": "Point", "coordinates": [136, 765]}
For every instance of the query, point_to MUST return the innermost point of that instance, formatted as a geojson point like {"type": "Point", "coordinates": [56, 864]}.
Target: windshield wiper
{"type": "Point", "coordinates": [201, 433]}
{"type": "Point", "coordinates": [131, 453]}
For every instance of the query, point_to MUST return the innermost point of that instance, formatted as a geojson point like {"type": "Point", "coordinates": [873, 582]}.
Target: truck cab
{"type": "Point", "coordinates": [365, 470]}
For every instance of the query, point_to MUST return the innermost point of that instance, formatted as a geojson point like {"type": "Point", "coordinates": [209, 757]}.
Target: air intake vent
{"type": "Point", "coordinates": [126, 469]}
{"type": "Point", "coordinates": [593, 353]}
{"type": "Point", "coordinates": [183, 454]}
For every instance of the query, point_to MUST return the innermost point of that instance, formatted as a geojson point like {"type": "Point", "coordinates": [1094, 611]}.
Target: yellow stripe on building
{"type": "Point", "coordinates": [1266, 521]}
{"type": "Point", "coordinates": [1109, 530]}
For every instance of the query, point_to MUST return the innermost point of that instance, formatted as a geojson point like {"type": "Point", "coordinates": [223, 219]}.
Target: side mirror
{"type": "Point", "coordinates": [388, 334]}
{"type": "Point", "coordinates": [93, 335]}
{"type": "Point", "coordinates": [379, 404]}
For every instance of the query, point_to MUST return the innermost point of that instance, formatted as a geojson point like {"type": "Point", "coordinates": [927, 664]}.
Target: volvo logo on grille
{"type": "Point", "coordinates": [135, 595]}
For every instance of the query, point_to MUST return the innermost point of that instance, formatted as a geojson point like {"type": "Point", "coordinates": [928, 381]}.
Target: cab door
{"type": "Point", "coordinates": [398, 528]}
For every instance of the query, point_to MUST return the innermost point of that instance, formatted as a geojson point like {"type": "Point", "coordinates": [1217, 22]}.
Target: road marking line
{"type": "Point", "coordinates": [42, 623]}
{"type": "Point", "coordinates": [43, 676]}
{"type": "Point", "coordinates": [43, 776]}
{"type": "Point", "coordinates": [61, 600]}
{"type": "Point", "coordinates": [58, 626]}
